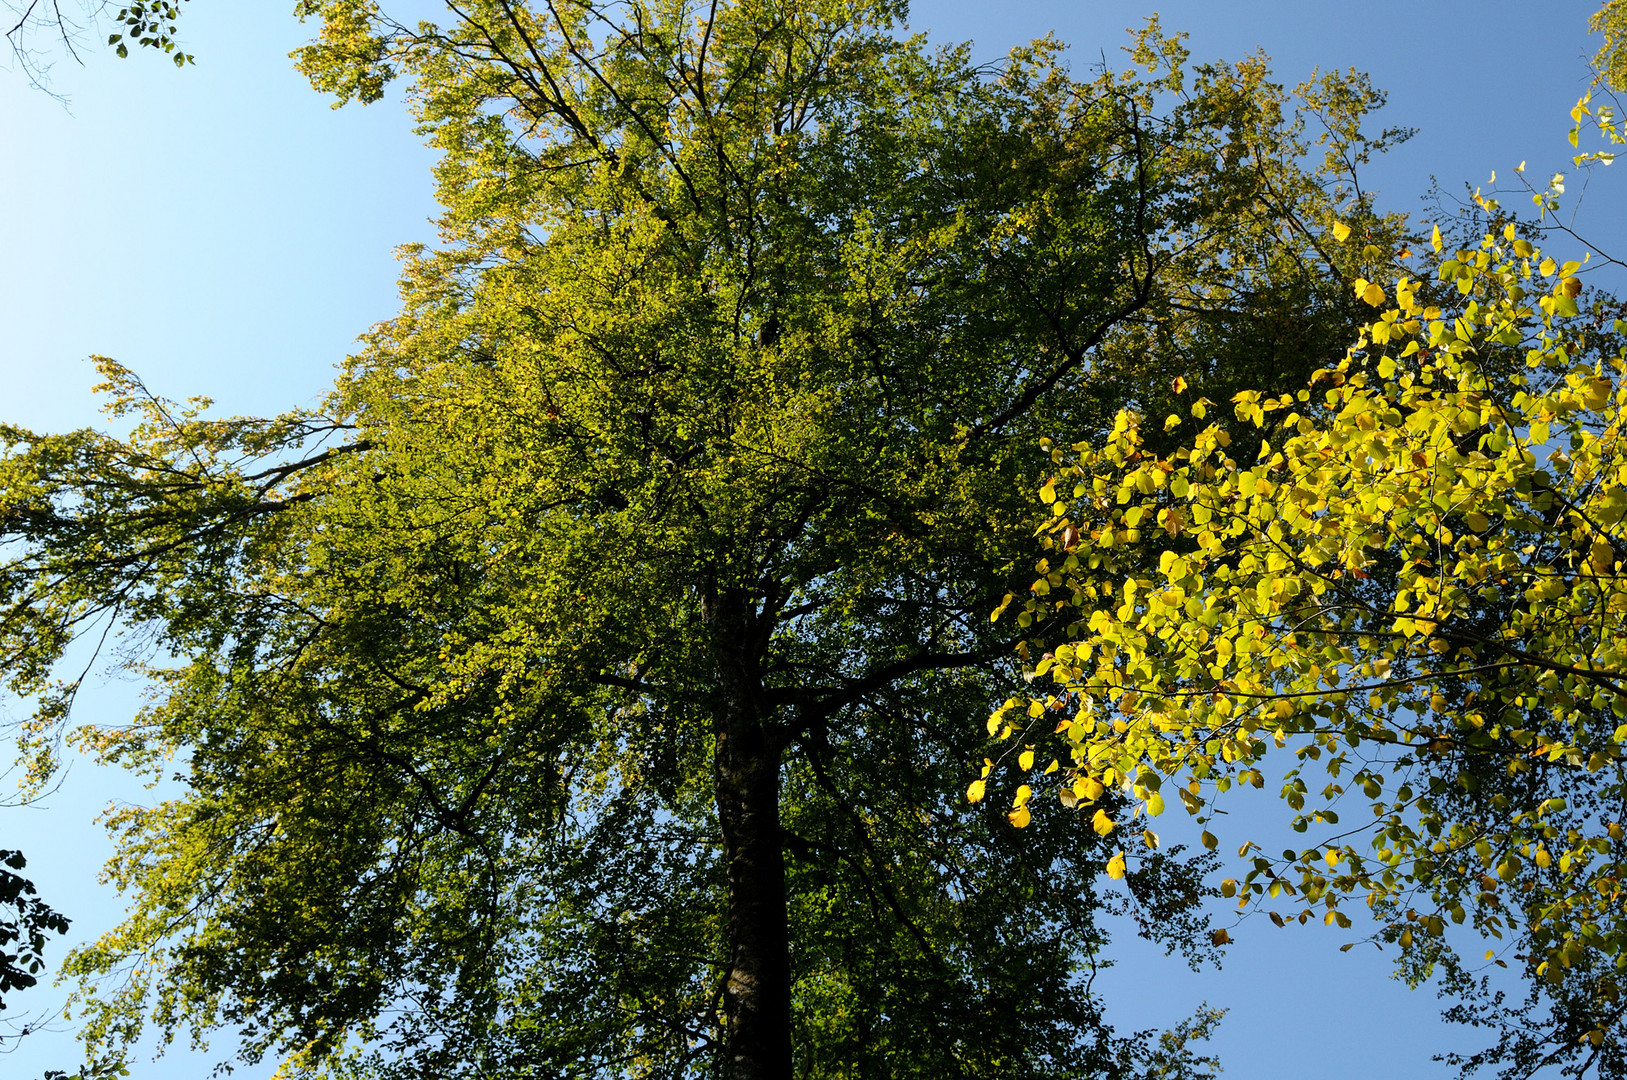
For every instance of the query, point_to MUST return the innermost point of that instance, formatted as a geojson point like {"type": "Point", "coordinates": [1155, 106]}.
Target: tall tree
{"type": "Point", "coordinates": [583, 691]}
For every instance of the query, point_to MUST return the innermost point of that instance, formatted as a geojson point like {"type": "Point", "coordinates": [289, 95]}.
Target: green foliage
{"type": "Point", "coordinates": [23, 928]}
{"type": "Point", "coordinates": [583, 690]}
{"type": "Point", "coordinates": [144, 24]}
{"type": "Point", "coordinates": [1174, 1058]}
{"type": "Point", "coordinates": [149, 24]}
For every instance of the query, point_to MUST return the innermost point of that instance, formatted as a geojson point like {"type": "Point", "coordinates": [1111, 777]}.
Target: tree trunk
{"type": "Point", "coordinates": [746, 772]}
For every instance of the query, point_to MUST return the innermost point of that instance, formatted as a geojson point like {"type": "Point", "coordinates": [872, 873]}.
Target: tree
{"type": "Point", "coordinates": [1410, 573]}
{"type": "Point", "coordinates": [584, 689]}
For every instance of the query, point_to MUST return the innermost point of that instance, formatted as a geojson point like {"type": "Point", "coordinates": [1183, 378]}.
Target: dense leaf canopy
{"type": "Point", "coordinates": [584, 689]}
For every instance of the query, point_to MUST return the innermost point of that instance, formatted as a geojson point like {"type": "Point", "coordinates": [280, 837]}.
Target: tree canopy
{"type": "Point", "coordinates": [1407, 575]}
{"type": "Point", "coordinates": [584, 688]}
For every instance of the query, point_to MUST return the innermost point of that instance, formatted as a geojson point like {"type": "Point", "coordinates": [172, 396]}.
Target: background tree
{"type": "Point", "coordinates": [584, 690]}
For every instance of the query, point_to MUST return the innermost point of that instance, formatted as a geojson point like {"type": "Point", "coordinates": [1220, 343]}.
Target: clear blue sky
{"type": "Point", "coordinates": [224, 232]}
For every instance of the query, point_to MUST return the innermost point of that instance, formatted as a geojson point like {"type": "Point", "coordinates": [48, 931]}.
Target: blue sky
{"type": "Point", "coordinates": [224, 232]}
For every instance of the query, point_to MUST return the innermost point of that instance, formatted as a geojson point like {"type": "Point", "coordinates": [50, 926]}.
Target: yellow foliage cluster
{"type": "Point", "coordinates": [1408, 574]}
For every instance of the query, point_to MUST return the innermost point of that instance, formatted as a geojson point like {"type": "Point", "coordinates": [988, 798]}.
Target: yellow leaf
{"type": "Point", "coordinates": [1155, 804]}
{"type": "Point", "coordinates": [1115, 866]}
{"type": "Point", "coordinates": [1101, 823]}
{"type": "Point", "coordinates": [1047, 494]}
{"type": "Point", "coordinates": [1547, 267]}
{"type": "Point", "coordinates": [974, 791]}
{"type": "Point", "coordinates": [1020, 817]}
{"type": "Point", "coordinates": [1596, 394]}
{"type": "Point", "coordinates": [1435, 239]}
{"type": "Point", "coordinates": [1341, 231]}
{"type": "Point", "coordinates": [1373, 294]}
{"type": "Point", "coordinates": [1025, 760]}
{"type": "Point", "coordinates": [1220, 937]}
{"type": "Point", "coordinates": [1209, 840]}
{"type": "Point", "coordinates": [1601, 556]}
{"type": "Point", "coordinates": [1024, 793]}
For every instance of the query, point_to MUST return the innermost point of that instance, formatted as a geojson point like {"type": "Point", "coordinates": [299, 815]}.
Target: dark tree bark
{"type": "Point", "coordinates": [746, 771]}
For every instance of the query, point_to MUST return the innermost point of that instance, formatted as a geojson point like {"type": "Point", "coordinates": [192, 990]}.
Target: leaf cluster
{"type": "Point", "coordinates": [23, 930]}
{"type": "Point", "coordinates": [1413, 585]}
